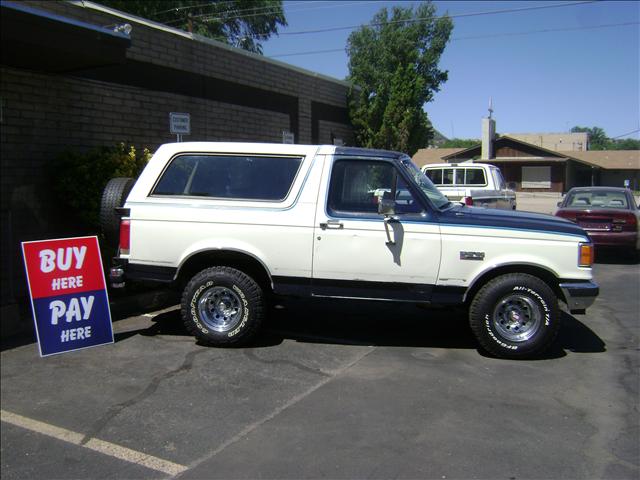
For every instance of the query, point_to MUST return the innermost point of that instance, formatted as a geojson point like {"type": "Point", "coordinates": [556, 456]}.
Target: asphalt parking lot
{"type": "Point", "coordinates": [335, 390]}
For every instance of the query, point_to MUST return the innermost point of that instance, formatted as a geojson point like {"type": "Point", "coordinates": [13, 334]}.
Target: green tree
{"type": "Point", "coordinates": [241, 23]}
{"type": "Point", "coordinates": [598, 140]}
{"type": "Point", "coordinates": [625, 144]}
{"type": "Point", "coordinates": [460, 143]}
{"type": "Point", "coordinates": [393, 64]}
{"type": "Point", "coordinates": [597, 137]}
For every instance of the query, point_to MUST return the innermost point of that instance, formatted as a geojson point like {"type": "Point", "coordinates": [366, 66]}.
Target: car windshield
{"type": "Point", "coordinates": [593, 199]}
{"type": "Point", "coordinates": [421, 180]}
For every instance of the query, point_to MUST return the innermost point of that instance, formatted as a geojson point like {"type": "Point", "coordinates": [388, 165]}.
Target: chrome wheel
{"type": "Point", "coordinates": [220, 309]}
{"type": "Point", "coordinates": [516, 318]}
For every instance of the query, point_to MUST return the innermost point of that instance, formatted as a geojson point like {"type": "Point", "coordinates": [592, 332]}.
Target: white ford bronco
{"type": "Point", "coordinates": [232, 224]}
{"type": "Point", "coordinates": [478, 184]}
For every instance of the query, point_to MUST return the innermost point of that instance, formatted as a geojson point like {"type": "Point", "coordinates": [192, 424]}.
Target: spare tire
{"type": "Point", "coordinates": [114, 195]}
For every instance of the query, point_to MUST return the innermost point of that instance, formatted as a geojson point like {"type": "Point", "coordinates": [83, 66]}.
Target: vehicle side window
{"type": "Point", "coordinates": [459, 176]}
{"type": "Point", "coordinates": [475, 176]}
{"type": "Point", "coordinates": [447, 176]}
{"type": "Point", "coordinates": [358, 185]}
{"type": "Point", "coordinates": [435, 175]}
{"type": "Point", "coordinates": [497, 177]}
{"type": "Point", "coordinates": [232, 177]}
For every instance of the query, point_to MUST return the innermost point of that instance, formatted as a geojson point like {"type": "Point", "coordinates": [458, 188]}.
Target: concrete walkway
{"type": "Point", "coordinates": [540, 202]}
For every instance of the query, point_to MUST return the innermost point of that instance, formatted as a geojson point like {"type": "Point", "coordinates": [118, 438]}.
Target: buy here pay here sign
{"type": "Point", "coordinates": [68, 294]}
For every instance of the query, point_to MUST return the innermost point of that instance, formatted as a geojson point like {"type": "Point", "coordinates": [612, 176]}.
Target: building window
{"type": "Point", "coordinates": [536, 177]}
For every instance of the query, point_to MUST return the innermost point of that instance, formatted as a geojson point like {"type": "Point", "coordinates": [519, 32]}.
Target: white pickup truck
{"type": "Point", "coordinates": [232, 224]}
{"type": "Point", "coordinates": [478, 184]}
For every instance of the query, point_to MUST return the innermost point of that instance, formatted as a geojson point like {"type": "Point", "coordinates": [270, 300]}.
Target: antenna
{"type": "Point", "coordinates": [490, 106]}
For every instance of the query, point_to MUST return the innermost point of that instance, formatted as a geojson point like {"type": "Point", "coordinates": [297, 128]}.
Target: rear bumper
{"type": "Point", "coordinates": [614, 239]}
{"type": "Point", "coordinates": [580, 295]}
{"type": "Point", "coordinates": [122, 272]}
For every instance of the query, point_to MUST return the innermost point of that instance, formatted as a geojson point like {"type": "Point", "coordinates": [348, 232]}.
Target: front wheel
{"type": "Point", "coordinates": [515, 316]}
{"type": "Point", "coordinates": [222, 306]}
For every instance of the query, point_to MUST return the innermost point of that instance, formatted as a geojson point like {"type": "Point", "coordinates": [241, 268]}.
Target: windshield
{"type": "Point", "coordinates": [421, 180]}
{"type": "Point", "coordinates": [594, 199]}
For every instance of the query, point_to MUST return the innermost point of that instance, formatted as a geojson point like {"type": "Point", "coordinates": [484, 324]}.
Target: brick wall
{"type": "Point", "coordinates": [44, 114]}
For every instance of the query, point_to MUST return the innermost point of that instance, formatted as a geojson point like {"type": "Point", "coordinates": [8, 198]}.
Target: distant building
{"type": "Point", "coordinates": [533, 168]}
{"type": "Point", "coordinates": [558, 142]}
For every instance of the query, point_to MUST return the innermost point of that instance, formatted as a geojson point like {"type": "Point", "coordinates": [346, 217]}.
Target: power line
{"type": "Point", "coordinates": [221, 15]}
{"type": "Point", "coordinates": [625, 134]}
{"type": "Point", "coordinates": [187, 7]}
{"type": "Point", "coordinates": [230, 2]}
{"type": "Point", "coordinates": [475, 37]}
{"type": "Point", "coordinates": [459, 15]}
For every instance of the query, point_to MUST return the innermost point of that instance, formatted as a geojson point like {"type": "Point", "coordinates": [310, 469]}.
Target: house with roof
{"type": "Point", "coordinates": [531, 167]}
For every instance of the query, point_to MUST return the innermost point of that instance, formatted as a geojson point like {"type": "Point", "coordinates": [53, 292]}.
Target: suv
{"type": "Point", "coordinates": [471, 183]}
{"type": "Point", "coordinates": [232, 224]}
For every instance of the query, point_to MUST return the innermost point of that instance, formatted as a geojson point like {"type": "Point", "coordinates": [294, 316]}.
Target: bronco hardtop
{"type": "Point", "coordinates": [233, 224]}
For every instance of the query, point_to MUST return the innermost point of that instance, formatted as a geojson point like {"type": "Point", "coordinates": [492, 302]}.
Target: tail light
{"type": "Point", "coordinates": [125, 236]}
{"type": "Point", "coordinates": [467, 201]}
{"type": "Point", "coordinates": [623, 221]}
{"type": "Point", "coordinates": [571, 216]}
{"type": "Point", "coordinates": [585, 254]}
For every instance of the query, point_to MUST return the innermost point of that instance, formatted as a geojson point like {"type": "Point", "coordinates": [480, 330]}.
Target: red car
{"type": "Point", "coordinates": [609, 215]}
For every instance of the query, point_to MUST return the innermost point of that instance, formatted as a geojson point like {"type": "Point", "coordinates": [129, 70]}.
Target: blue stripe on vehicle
{"type": "Point", "coordinates": [519, 229]}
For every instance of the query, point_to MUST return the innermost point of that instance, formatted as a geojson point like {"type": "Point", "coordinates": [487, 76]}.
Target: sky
{"type": "Point", "coordinates": [538, 82]}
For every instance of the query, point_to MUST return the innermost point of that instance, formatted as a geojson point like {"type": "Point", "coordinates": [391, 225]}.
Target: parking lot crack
{"type": "Point", "coordinates": [114, 410]}
{"type": "Point", "coordinates": [253, 356]}
{"type": "Point", "coordinates": [291, 402]}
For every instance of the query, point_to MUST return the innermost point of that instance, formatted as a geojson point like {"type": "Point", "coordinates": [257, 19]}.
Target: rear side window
{"type": "Point", "coordinates": [435, 175]}
{"type": "Point", "coordinates": [447, 176]}
{"type": "Point", "coordinates": [475, 176]}
{"type": "Point", "coordinates": [497, 176]}
{"type": "Point", "coordinates": [239, 177]}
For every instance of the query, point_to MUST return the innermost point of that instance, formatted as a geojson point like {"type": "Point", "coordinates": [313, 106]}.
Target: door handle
{"type": "Point", "coordinates": [334, 224]}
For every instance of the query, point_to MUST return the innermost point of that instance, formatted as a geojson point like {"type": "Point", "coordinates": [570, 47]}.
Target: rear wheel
{"type": "Point", "coordinates": [222, 306]}
{"type": "Point", "coordinates": [515, 316]}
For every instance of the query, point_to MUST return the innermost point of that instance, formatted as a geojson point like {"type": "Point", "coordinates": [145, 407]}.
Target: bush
{"type": "Point", "coordinates": [80, 178]}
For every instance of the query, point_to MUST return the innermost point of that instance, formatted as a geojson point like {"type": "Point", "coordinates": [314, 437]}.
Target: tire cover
{"type": "Point", "coordinates": [114, 195]}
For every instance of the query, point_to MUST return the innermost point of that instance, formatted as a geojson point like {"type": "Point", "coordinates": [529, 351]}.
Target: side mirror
{"type": "Point", "coordinates": [558, 204]}
{"type": "Point", "coordinates": [387, 207]}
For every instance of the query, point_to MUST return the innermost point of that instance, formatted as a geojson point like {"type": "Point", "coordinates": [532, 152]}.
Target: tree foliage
{"type": "Point", "coordinates": [393, 64]}
{"type": "Point", "coordinates": [598, 140]}
{"type": "Point", "coordinates": [78, 178]}
{"type": "Point", "coordinates": [460, 143]}
{"type": "Point", "coordinates": [241, 23]}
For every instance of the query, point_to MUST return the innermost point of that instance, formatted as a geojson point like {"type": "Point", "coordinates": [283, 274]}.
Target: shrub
{"type": "Point", "coordinates": [80, 178]}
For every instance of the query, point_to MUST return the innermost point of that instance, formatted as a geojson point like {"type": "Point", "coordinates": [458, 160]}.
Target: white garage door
{"type": "Point", "coordinates": [536, 177]}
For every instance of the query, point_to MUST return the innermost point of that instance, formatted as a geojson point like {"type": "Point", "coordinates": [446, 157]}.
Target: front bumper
{"type": "Point", "coordinates": [580, 295]}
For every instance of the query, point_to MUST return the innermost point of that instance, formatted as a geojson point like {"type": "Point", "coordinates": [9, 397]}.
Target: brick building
{"type": "Point", "coordinates": [69, 81]}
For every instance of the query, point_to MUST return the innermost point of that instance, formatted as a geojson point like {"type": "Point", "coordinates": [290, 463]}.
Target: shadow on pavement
{"type": "Point", "coordinates": [616, 256]}
{"type": "Point", "coordinates": [343, 322]}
